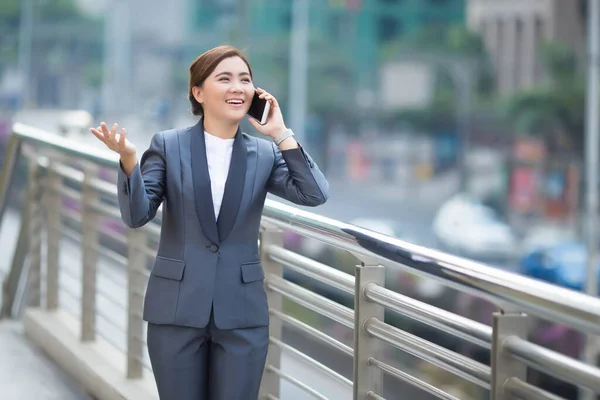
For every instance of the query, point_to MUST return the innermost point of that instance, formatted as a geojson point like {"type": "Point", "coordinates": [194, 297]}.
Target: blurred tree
{"type": "Point", "coordinates": [331, 87]}
{"type": "Point", "coordinates": [9, 14]}
{"type": "Point", "coordinates": [54, 21]}
{"type": "Point", "coordinates": [9, 30]}
{"type": "Point", "coordinates": [65, 52]}
{"type": "Point", "coordinates": [59, 11]}
{"type": "Point", "coordinates": [44, 10]}
{"type": "Point", "coordinates": [554, 110]}
{"type": "Point", "coordinates": [442, 46]}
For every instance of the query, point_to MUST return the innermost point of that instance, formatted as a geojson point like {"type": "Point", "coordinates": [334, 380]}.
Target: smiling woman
{"type": "Point", "coordinates": [205, 302]}
{"type": "Point", "coordinates": [222, 64]}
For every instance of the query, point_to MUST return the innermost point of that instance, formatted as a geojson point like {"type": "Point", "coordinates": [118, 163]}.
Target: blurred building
{"type": "Point", "coordinates": [150, 43]}
{"type": "Point", "coordinates": [513, 31]}
{"type": "Point", "coordinates": [358, 29]}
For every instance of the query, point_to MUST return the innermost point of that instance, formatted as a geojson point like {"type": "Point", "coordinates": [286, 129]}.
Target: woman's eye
{"type": "Point", "coordinates": [224, 79]}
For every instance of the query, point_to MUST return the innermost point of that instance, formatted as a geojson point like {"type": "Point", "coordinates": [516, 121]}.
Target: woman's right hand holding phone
{"type": "Point", "coordinates": [118, 143]}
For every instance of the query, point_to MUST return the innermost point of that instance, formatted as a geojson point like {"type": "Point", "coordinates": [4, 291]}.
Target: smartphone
{"type": "Point", "coordinates": [259, 109]}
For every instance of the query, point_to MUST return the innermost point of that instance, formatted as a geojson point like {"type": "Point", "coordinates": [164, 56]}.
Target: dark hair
{"type": "Point", "coordinates": [204, 65]}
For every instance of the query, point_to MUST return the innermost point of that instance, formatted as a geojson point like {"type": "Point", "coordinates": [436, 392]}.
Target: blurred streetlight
{"type": "Point", "coordinates": [592, 142]}
{"type": "Point", "coordinates": [242, 23]}
{"type": "Point", "coordinates": [25, 45]}
{"type": "Point", "coordinates": [298, 67]}
{"type": "Point", "coordinates": [116, 85]}
{"type": "Point", "coordinates": [462, 71]}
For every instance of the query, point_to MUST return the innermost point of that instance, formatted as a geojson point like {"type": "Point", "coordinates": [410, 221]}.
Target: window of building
{"type": "Point", "coordinates": [339, 26]}
{"type": "Point", "coordinates": [389, 28]}
{"type": "Point", "coordinates": [286, 19]}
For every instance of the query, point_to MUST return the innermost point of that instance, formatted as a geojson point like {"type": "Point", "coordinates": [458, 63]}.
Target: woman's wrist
{"type": "Point", "coordinates": [128, 162]}
{"type": "Point", "coordinates": [278, 132]}
{"type": "Point", "coordinates": [282, 135]}
{"type": "Point", "coordinates": [288, 144]}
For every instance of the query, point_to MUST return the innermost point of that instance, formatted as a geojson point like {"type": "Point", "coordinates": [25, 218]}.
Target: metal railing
{"type": "Point", "coordinates": [60, 169]}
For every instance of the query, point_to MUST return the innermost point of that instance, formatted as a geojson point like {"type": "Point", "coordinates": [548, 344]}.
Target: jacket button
{"type": "Point", "coordinates": [213, 248]}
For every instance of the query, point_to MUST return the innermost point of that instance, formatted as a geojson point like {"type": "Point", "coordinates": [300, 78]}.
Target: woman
{"type": "Point", "coordinates": [205, 303]}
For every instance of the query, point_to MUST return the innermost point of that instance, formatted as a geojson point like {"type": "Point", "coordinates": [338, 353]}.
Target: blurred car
{"type": "Point", "coordinates": [563, 264]}
{"type": "Point", "coordinates": [465, 226]}
{"type": "Point", "coordinates": [546, 235]}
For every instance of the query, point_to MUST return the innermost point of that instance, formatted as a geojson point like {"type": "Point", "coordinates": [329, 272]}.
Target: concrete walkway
{"type": "Point", "coordinates": [26, 373]}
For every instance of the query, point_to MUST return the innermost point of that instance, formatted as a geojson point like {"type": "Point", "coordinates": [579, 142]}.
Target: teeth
{"type": "Point", "coordinates": [234, 101]}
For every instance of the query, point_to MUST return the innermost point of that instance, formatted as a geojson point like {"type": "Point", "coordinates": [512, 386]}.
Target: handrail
{"type": "Point", "coordinates": [558, 365]}
{"type": "Point", "coordinates": [462, 327]}
{"type": "Point", "coordinates": [498, 286]}
{"type": "Point", "coordinates": [28, 134]}
{"type": "Point", "coordinates": [495, 285]}
{"type": "Point", "coordinates": [514, 293]}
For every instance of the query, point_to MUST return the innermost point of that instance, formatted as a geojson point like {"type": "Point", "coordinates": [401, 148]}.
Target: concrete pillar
{"type": "Point", "coordinates": [528, 51]}
{"type": "Point", "coordinates": [508, 55]}
{"type": "Point", "coordinates": [491, 32]}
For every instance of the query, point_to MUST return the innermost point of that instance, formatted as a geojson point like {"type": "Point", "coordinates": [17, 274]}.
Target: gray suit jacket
{"type": "Point", "coordinates": [202, 263]}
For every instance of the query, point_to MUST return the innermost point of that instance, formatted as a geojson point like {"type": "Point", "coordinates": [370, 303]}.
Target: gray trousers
{"type": "Point", "coordinates": [207, 363]}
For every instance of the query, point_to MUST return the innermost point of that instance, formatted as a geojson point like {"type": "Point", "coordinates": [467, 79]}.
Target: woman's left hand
{"type": "Point", "coordinates": [274, 125]}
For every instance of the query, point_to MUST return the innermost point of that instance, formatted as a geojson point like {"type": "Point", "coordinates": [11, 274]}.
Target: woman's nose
{"type": "Point", "coordinates": [237, 87]}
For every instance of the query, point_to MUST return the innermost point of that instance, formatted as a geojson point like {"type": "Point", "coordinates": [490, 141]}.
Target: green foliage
{"type": "Point", "coordinates": [58, 11]}
{"type": "Point", "coordinates": [556, 110]}
{"type": "Point", "coordinates": [441, 44]}
{"type": "Point", "coordinates": [8, 49]}
{"type": "Point", "coordinates": [560, 62]}
{"type": "Point", "coordinates": [331, 87]}
{"type": "Point", "coordinates": [9, 14]}
{"type": "Point", "coordinates": [53, 20]}
{"type": "Point", "coordinates": [44, 10]}
{"type": "Point", "coordinates": [93, 74]}
{"type": "Point", "coordinates": [455, 40]}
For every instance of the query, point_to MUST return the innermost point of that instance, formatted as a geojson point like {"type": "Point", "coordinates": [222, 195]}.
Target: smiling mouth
{"type": "Point", "coordinates": [235, 102]}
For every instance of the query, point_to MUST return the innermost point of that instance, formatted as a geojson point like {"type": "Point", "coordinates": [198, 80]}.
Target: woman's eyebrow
{"type": "Point", "coordinates": [230, 74]}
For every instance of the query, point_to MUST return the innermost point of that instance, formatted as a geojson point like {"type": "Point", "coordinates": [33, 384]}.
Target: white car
{"type": "Point", "coordinates": [547, 235]}
{"type": "Point", "coordinates": [467, 227]}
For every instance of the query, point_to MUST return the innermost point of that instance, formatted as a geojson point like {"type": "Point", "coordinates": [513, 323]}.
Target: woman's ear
{"type": "Point", "coordinates": [197, 92]}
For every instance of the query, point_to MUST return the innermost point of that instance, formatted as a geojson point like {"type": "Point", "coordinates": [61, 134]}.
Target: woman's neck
{"type": "Point", "coordinates": [221, 129]}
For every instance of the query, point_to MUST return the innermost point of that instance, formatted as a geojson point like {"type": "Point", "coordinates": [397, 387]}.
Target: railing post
{"type": "Point", "coordinates": [137, 243]}
{"type": "Point", "coordinates": [35, 234]}
{"type": "Point", "coordinates": [504, 366]}
{"type": "Point", "coordinates": [11, 157]}
{"type": "Point", "coordinates": [270, 382]}
{"type": "Point", "coordinates": [366, 377]}
{"type": "Point", "coordinates": [11, 282]}
{"type": "Point", "coordinates": [54, 184]}
{"type": "Point", "coordinates": [89, 229]}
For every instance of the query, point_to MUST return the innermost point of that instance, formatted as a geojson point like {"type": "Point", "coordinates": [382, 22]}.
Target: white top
{"type": "Point", "coordinates": [218, 157]}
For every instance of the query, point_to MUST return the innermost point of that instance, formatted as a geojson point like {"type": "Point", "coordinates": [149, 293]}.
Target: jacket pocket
{"type": "Point", "coordinates": [168, 268]}
{"type": "Point", "coordinates": [252, 271]}
{"type": "Point", "coordinates": [255, 296]}
{"type": "Point", "coordinates": [162, 293]}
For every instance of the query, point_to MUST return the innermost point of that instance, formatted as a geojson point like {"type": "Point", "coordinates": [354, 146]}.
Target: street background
{"type": "Point", "coordinates": [453, 124]}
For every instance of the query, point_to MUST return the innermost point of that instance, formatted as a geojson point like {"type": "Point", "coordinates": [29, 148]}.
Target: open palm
{"type": "Point", "coordinates": [117, 142]}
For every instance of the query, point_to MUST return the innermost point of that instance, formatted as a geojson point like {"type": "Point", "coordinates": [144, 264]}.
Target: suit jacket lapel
{"type": "Point", "coordinates": [234, 187]}
{"type": "Point", "coordinates": [201, 178]}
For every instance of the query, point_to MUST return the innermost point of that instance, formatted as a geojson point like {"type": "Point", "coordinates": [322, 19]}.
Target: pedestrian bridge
{"type": "Point", "coordinates": [76, 276]}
